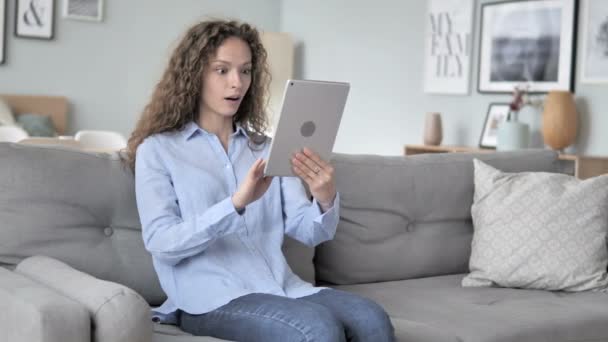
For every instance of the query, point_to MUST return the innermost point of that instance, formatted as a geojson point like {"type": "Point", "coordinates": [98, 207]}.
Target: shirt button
{"type": "Point", "coordinates": [227, 166]}
{"type": "Point", "coordinates": [108, 231]}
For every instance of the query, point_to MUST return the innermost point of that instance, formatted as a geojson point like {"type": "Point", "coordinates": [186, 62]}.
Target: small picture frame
{"type": "Point", "coordinates": [88, 10]}
{"type": "Point", "coordinates": [497, 113]}
{"type": "Point", "coordinates": [35, 19]}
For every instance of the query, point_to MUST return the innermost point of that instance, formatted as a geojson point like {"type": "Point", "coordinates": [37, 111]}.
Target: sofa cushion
{"type": "Point", "coordinates": [32, 312]}
{"type": "Point", "coordinates": [117, 313]}
{"type": "Point", "coordinates": [539, 230]}
{"type": "Point", "coordinates": [300, 258]}
{"type": "Point", "coordinates": [171, 333]}
{"type": "Point", "coordinates": [37, 125]}
{"type": "Point", "coordinates": [439, 309]}
{"type": "Point", "coordinates": [408, 217]}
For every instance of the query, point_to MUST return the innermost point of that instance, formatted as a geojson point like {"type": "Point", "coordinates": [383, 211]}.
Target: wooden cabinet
{"type": "Point", "coordinates": [580, 166]}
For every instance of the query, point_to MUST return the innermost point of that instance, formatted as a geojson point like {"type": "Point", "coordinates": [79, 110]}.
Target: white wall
{"type": "Point", "coordinates": [108, 70]}
{"type": "Point", "coordinates": [378, 47]}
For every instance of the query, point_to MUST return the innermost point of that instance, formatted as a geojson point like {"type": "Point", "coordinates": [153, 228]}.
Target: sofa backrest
{"type": "Point", "coordinates": [77, 207]}
{"type": "Point", "coordinates": [80, 208]}
{"type": "Point", "coordinates": [408, 217]}
{"type": "Point", "coordinates": [400, 217]}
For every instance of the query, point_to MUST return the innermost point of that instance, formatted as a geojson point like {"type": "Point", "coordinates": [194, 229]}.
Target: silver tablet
{"type": "Point", "coordinates": [310, 117]}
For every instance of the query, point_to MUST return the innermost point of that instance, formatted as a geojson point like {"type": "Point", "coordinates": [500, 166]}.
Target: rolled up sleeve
{"type": "Point", "coordinates": [303, 219]}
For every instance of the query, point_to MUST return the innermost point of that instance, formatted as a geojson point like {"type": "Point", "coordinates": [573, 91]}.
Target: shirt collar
{"type": "Point", "coordinates": [192, 128]}
{"type": "Point", "coordinates": [189, 130]}
{"type": "Point", "coordinates": [240, 130]}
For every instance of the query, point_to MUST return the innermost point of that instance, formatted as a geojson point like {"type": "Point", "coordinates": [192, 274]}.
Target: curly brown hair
{"type": "Point", "coordinates": [176, 98]}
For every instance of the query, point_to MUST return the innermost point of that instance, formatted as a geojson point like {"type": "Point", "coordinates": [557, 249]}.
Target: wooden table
{"type": "Point", "coordinates": [580, 166]}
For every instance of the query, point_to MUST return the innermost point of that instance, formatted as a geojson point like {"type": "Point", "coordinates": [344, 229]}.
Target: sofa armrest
{"type": "Point", "coordinates": [30, 311]}
{"type": "Point", "coordinates": [118, 313]}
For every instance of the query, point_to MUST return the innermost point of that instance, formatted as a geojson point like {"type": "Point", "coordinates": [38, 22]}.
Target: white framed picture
{"type": "Point", "coordinates": [3, 21]}
{"type": "Point", "coordinates": [527, 43]}
{"type": "Point", "coordinates": [448, 45]}
{"type": "Point", "coordinates": [90, 10]}
{"type": "Point", "coordinates": [497, 113]}
{"type": "Point", "coordinates": [595, 42]}
{"type": "Point", "coordinates": [35, 19]}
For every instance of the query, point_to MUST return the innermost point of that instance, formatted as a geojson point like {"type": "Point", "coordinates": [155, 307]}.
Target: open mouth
{"type": "Point", "coordinates": [232, 98]}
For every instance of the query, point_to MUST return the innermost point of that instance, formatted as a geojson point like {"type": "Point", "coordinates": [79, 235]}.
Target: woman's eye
{"type": "Point", "coordinates": [221, 71]}
{"type": "Point", "coordinates": [247, 71]}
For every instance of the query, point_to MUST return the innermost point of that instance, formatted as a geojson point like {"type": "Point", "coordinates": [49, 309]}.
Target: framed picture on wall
{"type": "Point", "coordinates": [497, 113]}
{"type": "Point", "coordinates": [449, 25]}
{"type": "Point", "coordinates": [91, 10]}
{"type": "Point", "coordinates": [527, 43]}
{"type": "Point", "coordinates": [35, 19]}
{"type": "Point", "coordinates": [2, 31]}
{"type": "Point", "coordinates": [595, 42]}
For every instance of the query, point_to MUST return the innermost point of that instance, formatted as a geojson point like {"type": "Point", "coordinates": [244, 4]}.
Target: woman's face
{"type": "Point", "coordinates": [226, 78]}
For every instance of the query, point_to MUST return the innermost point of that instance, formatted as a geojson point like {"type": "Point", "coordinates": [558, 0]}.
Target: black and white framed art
{"type": "Point", "coordinates": [529, 43]}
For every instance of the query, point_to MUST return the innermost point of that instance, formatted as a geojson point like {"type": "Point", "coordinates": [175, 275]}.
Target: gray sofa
{"type": "Point", "coordinates": [75, 269]}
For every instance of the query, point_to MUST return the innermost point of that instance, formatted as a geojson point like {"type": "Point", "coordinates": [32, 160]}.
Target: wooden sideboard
{"type": "Point", "coordinates": [580, 166]}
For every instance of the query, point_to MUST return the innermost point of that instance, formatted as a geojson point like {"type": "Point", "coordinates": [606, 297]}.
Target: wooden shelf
{"type": "Point", "coordinates": [417, 149]}
{"type": "Point", "coordinates": [580, 166]}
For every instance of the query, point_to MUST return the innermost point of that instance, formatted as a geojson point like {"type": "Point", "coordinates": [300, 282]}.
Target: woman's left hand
{"type": "Point", "coordinates": [318, 174]}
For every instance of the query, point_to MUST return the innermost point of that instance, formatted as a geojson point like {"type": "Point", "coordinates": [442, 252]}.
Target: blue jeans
{"type": "Point", "coordinates": [329, 315]}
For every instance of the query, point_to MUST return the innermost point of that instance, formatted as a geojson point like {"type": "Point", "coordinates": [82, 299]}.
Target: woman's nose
{"type": "Point", "coordinates": [235, 80]}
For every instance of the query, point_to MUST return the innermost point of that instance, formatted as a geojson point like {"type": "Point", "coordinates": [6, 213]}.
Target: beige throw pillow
{"type": "Point", "coordinates": [538, 231]}
{"type": "Point", "coordinates": [6, 114]}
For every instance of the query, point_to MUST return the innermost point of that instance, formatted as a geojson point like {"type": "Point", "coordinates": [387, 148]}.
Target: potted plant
{"type": "Point", "coordinates": [512, 134]}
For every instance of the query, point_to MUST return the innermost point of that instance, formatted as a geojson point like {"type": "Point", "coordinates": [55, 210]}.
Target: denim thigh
{"type": "Point", "coordinates": [263, 317]}
{"type": "Point", "coordinates": [362, 318]}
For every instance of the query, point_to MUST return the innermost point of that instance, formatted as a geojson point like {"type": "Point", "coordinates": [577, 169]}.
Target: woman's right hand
{"type": "Point", "coordinates": [253, 187]}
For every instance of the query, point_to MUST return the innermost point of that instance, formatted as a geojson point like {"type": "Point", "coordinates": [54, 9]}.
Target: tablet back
{"type": "Point", "coordinates": [310, 117]}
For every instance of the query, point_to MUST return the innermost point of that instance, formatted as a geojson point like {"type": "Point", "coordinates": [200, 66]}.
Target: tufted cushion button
{"type": "Point", "coordinates": [108, 231]}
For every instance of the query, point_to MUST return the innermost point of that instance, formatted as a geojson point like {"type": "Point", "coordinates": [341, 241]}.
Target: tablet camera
{"type": "Point", "coordinates": [307, 129]}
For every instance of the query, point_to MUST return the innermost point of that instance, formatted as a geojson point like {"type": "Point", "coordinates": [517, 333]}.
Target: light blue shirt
{"type": "Point", "coordinates": [205, 253]}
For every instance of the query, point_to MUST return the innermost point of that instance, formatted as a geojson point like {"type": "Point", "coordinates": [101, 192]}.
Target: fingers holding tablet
{"type": "Point", "coordinates": [317, 173]}
{"type": "Point", "coordinates": [301, 171]}
{"type": "Point", "coordinates": [307, 164]}
{"type": "Point", "coordinates": [320, 164]}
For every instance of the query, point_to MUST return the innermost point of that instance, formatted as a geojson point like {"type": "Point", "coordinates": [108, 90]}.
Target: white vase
{"type": "Point", "coordinates": [433, 132]}
{"type": "Point", "coordinates": [512, 135]}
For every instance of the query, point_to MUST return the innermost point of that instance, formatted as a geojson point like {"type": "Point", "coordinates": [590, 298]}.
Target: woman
{"type": "Point", "coordinates": [213, 223]}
